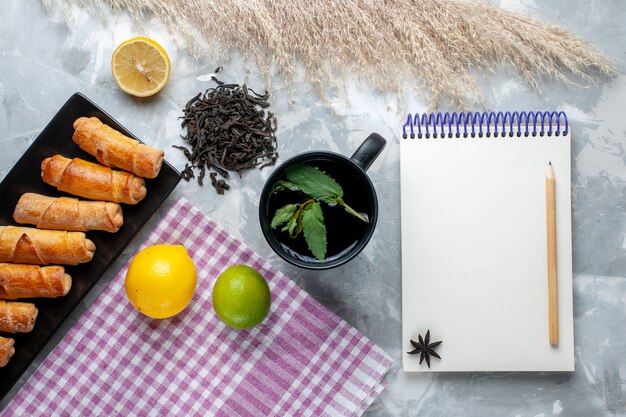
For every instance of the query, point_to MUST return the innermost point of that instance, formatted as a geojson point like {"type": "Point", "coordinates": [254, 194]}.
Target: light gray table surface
{"type": "Point", "coordinates": [43, 61]}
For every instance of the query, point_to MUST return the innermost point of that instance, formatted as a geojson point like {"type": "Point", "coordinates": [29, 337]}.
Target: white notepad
{"type": "Point", "coordinates": [474, 246]}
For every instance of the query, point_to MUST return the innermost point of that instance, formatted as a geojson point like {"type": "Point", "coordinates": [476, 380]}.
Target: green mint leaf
{"type": "Point", "coordinates": [283, 215]}
{"type": "Point", "coordinates": [298, 229]}
{"type": "Point", "coordinates": [314, 182]}
{"type": "Point", "coordinates": [291, 226]}
{"type": "Point", "coordinates": [314, 230]}
{"type": "Point", "coordinates": [283, 185]}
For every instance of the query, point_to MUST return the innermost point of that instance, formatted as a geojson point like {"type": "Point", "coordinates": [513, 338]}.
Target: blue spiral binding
{"type": "Point", "coordinates": [485, 124]}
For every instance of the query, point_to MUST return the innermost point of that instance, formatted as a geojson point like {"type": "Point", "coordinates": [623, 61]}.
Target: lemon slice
{"type": "Point", "coordinates": [140, 67]}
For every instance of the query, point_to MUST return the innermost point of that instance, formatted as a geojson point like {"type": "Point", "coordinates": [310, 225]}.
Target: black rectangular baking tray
{"type": "Point", "coordinates": [24, 177]}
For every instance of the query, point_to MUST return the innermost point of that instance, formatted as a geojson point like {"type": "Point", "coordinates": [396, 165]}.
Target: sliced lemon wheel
{"type": "Point", "coordinates": [140, 67]}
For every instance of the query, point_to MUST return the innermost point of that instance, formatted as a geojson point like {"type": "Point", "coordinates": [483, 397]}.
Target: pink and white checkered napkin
{"type": "Point", "coordinates": [301, 361]}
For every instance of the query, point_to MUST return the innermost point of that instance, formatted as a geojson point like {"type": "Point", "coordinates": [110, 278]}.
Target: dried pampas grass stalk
{"type": "Point", "coordinates": [396, 45]}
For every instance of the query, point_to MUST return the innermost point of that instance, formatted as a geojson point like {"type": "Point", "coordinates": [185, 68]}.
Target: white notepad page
{"type": "Point", "coordinates": [474, 252]}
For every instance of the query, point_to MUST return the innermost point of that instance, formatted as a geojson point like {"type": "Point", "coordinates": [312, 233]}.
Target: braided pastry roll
{"type": "Point", "coordinates": [16, 317]}
{"type": "Point", "coordinates": [66, 213]}
{"type": "Point", "coordinates": [6, 350]}
{"type": "Point", "coordinates": [27, 245]}
{"type": "Point", "coordinates": [33, 281]}
{"type": "Point", "coordinates": [93, 181]}
{"type": "Point", "coordinates": [113, 149]}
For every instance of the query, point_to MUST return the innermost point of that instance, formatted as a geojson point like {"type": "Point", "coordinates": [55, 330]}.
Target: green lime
{"type": "Point", "coordinates": [241, 297]}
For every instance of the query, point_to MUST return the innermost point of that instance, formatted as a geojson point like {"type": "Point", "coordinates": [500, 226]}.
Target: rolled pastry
{"type": "Point", "coordinates": [6, 350]}
{"type": "Point", "coordinates": [113, 149]}
{"type": "Point", "coordinates": [32, 281]}
{"type": "Point", "coordinates": [93, 181]}
{"type": "Point", "coordinates": [16, 317]}
{"type": "Point", "coordinates": [27, 245]}
{"type": "Point", "coordinates": [66, 213]}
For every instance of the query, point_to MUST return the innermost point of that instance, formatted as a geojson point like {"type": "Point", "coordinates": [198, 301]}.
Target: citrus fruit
{"type": "Point", "coordinates": [161, 280]}
{"type": "Point", "coordinates": [241, 297]}
{"type": "Point", "coordinates": [140, 67]}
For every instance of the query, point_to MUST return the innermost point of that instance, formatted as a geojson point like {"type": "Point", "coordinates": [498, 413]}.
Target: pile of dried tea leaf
{"type": "Point", "coordinates": [227, 130]}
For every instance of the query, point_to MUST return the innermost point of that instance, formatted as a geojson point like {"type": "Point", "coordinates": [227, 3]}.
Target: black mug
{"type": "Point", "coordinates": [346, 235]}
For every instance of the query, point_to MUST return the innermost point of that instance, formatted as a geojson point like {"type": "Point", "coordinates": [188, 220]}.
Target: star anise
{"type": "Point", "coordinates": [424, 348]}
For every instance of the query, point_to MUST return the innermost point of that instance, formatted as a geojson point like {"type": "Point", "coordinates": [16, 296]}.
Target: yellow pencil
{"type": "Point", "coordinates": [552, 271]}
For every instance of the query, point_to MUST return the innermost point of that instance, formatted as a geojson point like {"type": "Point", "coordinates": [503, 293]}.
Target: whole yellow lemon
{"type": "Point", "coordinates": [161, 280]}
